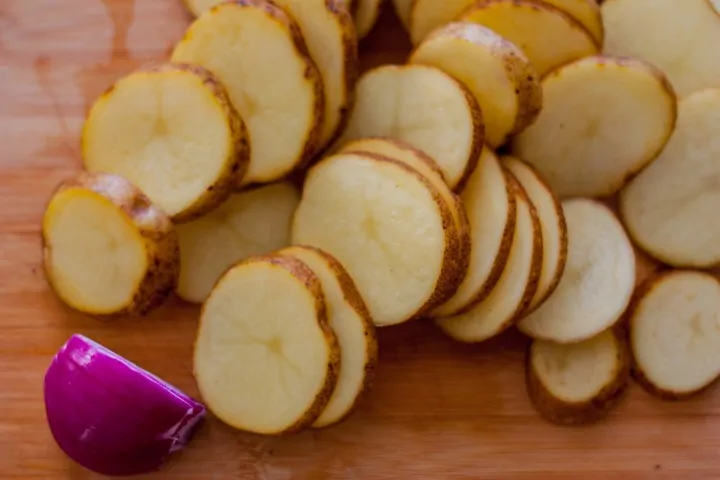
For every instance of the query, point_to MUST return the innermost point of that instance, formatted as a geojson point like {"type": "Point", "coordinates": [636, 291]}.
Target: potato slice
{"type": "Point", "coordinates": [679, 38]}
{"type": "Point", "coordinates": [266, 359]}
{"type": "Point", "coordinates": [280, 98]}
{"type": "Point", "coordinates": [351, 322]}
{"type": "Point", "coordinates": [675, 334]}
{"type": "Point", "coordinates": [254, 222]}
{"type": "Point", "coordinates": [516, 287]}
{"type": "Point", "coordinates": [552, 223]}
{"type": "Point", "coordinates": [603, 120]}
{"type": "Point", "coordinates": [171, 131]}
{"type": "Point", "coordinates": [363, 209]}
{"type": "Point", "coordinates": [670, 209]}
{"type": "Point", "coordinates": [424, 107]}
{"type": "Point", "coordinates": [107, 250]}
{"type": "Point", "coordinates": [494, 70]}
{"type": "Point", "coordinates": [402, 10]}
{"type": "Point", "coordinates": [598, 281]}
{"type": "Point", "coordinates": [577, 383]}
{"type": "Point", "coordinates": [366, 15]}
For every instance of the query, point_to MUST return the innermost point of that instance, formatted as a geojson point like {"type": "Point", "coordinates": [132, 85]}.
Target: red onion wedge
{"type": "Point", "coordinates": [111, 416]}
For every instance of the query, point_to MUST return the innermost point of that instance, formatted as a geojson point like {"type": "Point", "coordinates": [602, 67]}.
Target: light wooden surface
{"type": "Point", "coordinates": [439, 410]}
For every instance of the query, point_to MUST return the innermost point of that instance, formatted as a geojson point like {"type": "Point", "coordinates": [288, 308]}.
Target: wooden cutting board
{"type": "Point", "coordinates": [439, 410]}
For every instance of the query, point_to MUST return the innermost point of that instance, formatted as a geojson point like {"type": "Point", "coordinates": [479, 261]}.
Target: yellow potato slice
{"type": "Point", "coordinates": [670, 209]}
{"type": "Point", "coordinates": [171, 131]}
{"type": "Point", "coordinates": [680, 38]}
{"type": "Point", "coordinates": [266, 359]}
{"type": "Point", "coordinates": [254, 222]}
{"type": "Point", "coordinates": [277, 88]}
{"type": "Point", "coordinates": [366, 15]}
{"type": "Point", "coordinates": [496, 72]}
{"type": "Point", "coordinates": [107, 250]}
{"type": "Point", "coordinates": [603, 119]}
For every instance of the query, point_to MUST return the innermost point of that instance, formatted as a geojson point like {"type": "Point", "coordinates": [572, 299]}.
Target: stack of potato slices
{"type": "Point", "coordinates": [474, 185]}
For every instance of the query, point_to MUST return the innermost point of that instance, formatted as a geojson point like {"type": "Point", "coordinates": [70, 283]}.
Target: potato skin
{"type": "Point", "coordinates": [155, 227]}
{"type": "Point", "coordinates": [564, 413]}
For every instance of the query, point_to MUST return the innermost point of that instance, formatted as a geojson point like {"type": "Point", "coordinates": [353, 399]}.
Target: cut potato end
{"type": "Point", "coordinates": [675, 333]}
{"type": "Point", "coordinates": [670, 208]}
{"type": "Point", "coordinates": [254, 222]}
{"type": "Point", "coordinates": [266, 360]}
{"type": "Point", "coordinates": [577, 383]}
{"type": "Point", "coordinates": [171, 131]}
{"type": "Point", "coordinates": [278, 99]}
{"type": "Point", "coordinates": [598, 280]}
{"type": "Point", "coordinates": [366, 15]}
{"type": "Point", "coordinates": [363, 209]}
{"type": "Point", "coordinates": [494, 70]}
{"type": "Point", "coordinates": [552, 223]}
{"type": "Point", "coordinates": [514, 290]}
{"type": "Point", "coordinates": [107, 249]}
{"type": "Point", "coordinates": [603, 120]}
{"type": "Point", "coordinates": [424, 107]}
{"type": "Point", "coordinates": [353, 326]}
{"type": "Point", "coordinates": [490, 204]}
{"type": "Point", "coordinates": [680, 39]}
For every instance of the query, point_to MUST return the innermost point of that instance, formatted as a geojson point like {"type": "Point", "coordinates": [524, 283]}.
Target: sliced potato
{"type": "Point", "coordinates": [351, 322]}
{"type": "Point", "coordinates": [552, 223]}
{"type": "Point", "coordinates": [548, 36]}
{"type": "Point", "coordinates": [598, 281]}
{"type": "Point", "coordinates": [603, 120]}
{"type": "Point", "coordinates": [680, 38]}
{"type": "Point", "coordinates": [254, 222]}
{"type": "Point", "coordinates": [577, 383]}
{"type": "Point", "coordinates": [402, 10]}
{"type": "Point", "coordinates": [516, 287]}
{"type": "Point", "coordinates": [107, 250]}
{"type": "Point", "coordinates": [587, 12]}
{"type": "Point", "coordinates": [281, 99]}
{"type": "Point", "coordinates": [366, 16]}
{"type": "Point", "coordinates": [171, 131]}
{"type": "Point", "coordinates": [389, 228]}
{"type": "Point", "coordinates": [266, 360]}
{"type": "Point", "coordinates": [490, 205]}
{"type": "Point", "coordinates": [494, 70]}
{"type": "Point", "coordinates": [670, 208]}
{"type": "Point", "coordinates": [675, 333]}
{"type": "Point", "coordinates": [424, 107]}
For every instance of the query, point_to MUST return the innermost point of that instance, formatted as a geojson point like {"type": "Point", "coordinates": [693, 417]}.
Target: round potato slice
{"type": "Point", "coordinates": [552, 223]}
{"type": "Point", "coordinates": [494, 70]}
{"type": "Point", "coordinates": [577, 383]}
{"type": "Point", "coordinates": [254, 222]}
{"type": "Point", "coordinates": [172, 131]}
{"type": "Point", "coordinates": [598, 281]}
{"type": "Point", "coordinates": [675, 334]}
{"type": "Point", "coordinates": [603, 120]}
{"type": "Point", "coordinates": [680, 38]}
{"type": "Point", "coordinates": [366, 15]}
{"type": "Point", "coordinates": [257, 51]}
{"type": "Point", "coordinates": [388, 226]}
{"type": "Point", "coordinates": [516, 287]}
{"type": "Point", "coordinates": [266, 359]}
{"type": "Point", "coordinates": [107, 250]}
{"type": "Point", "coordinates": [670, 208]}
{"type": "Point", "coordinates": [351, 322]}
{"type": "Point", "coordinates": [548, 36]}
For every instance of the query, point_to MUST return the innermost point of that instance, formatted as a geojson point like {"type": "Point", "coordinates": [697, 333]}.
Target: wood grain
{"type": "Point", "coordinates": [439, 410]}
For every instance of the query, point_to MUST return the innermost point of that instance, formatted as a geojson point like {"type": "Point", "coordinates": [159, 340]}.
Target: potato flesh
{"type": "Point", "coordinates": [382, 224]}
{"type": "Point", "coordinates": [679, 38]}
{"type": "Point", "coordinates": [675, 332]}
{"type": "Point", "coordinates": [577, 372]}
{"type": "Point", "coordinates": [584, 11]}
{"type": "Point", "coordinates": [260, 355]}
{"type": "Point", "coordinates": [670, 208]}
{"type": "Point", "coordinates": [276, 99]}
{"type": "Point", "coordinates": [598, 281]}
{"type": "Point", "coordinates": [250, 223]}
{"type": "Point", "coordinates": [79, 225]}
{"type": "Point", "coordinates": [163, 131]}
{"type": "Point", "coordinates": [366, 16]}
{"type": "Point", "coordinates": [603, 119]}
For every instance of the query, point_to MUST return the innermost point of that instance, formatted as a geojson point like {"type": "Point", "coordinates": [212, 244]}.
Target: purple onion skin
{"type": "Point", "coordinates": [111, 416]}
